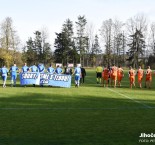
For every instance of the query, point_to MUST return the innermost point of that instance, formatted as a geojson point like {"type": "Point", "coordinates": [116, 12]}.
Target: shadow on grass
{"type": "Point", "coordinates": [67, 101]}
{"type": "Point", "coordinates": [50, 119]}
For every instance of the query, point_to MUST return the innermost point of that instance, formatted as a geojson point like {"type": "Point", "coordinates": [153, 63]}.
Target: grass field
{"type": "Point", "coordinates": [88, 115]}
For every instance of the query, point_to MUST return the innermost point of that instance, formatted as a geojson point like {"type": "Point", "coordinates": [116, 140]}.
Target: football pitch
{"type": "Point", "coordinates": [88, 115]}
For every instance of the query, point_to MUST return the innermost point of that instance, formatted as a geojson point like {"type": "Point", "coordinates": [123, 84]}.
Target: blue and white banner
{"type": "Point", "coordinates": [60, 80]}
{"type": "Point", "coordinates": [29, 78]}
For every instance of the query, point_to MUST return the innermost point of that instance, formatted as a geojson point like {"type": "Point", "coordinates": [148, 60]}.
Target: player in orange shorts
{"type": "Point", "coordinates": [148, 77]}
{"type": "Point", "coordinates": [120, 75]}
{"type": "Point", "coordinates": [140, 73]}
{"type": "Point", "coordinates": [132, 77]}
{"type": "Point", "coordinates": [113, 76]}
{"type": "Point", "coordinates": [105, 76]}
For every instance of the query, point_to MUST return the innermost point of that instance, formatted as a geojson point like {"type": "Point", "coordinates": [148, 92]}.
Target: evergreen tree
{"type": "Point", "coordinates": [95, 50]}
{"type": "Point", "coordinates": [82, 40]}
{"type": "Point", "coordinates": [60, 48]}
{"type": "Point", "coordinates": [38, 46]}
{"type": "Point", "coordinates": [30, 54]}
{"type": "Point", "coordinates": [37, 50]}
{"type": "Point", "coordinates": [137, 46]}
{"type": "Point", "coordinates": [64, 44]}
{"type": "Point", "coordinates": [67, 30]}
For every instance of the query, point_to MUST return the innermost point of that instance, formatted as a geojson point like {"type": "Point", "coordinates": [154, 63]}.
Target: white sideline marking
{"type": "Point", "coordinates": [117, 108]}
{"type": "Point", "coordinates": [147, 106]}
{"type": "Point", "coordinates": [144, 106]}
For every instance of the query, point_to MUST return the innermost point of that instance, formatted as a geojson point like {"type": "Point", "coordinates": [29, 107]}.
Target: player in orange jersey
{"type": "Point", "coordinates": [120, 75]}
{"type": "Point", "coordinates": [113, 76]}
{"type": "Point", "coordinates": [140, 73]}
{"type": "Point", "coordinates": [148, 77]}
{"type": "Point", "coordinates": [132, 77]}
{"type": "Point", "coordinates": [105, 76]}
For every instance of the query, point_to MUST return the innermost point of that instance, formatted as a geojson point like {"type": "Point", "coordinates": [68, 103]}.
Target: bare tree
{"type": "Point", "coordinates": [15, 43]}
{"type": "Point", "coordinates": [9, 40]}
{"type": "Point", "coordinates": [90, 34]}
{"type": "Point", "coordinates": [138, 22]}
{"type": "Point", "coordinates": [137, 32]}
{"type": "Point", "coordinates": [44, 34]}
{"type": "Point", "coordinates": [45, 45]}
{"type": "Point", "coordinates": [118, 41]}
{"type": "Point", "coordinates": [8, 36]}
{"type": "Point", "coordinates": [106, 32]}
{"type": "Point", "coordinates": [151, 40]}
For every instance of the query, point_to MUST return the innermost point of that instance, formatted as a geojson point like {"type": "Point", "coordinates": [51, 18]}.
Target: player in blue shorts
{"type": "Point", "coordinates": [13, 72]}
{"type": "Point", "coordinates": [4, 72]}
{"type": "Point", "coordinates": [77, 72]}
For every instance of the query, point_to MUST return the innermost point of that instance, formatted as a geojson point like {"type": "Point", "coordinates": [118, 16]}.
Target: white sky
{"type": "Point", "coordinates": [31, 15]}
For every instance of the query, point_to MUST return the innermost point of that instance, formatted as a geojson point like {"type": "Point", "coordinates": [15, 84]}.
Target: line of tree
{"type": "Point", "coordinates": [123, 43]}
{"type": "Point", "coordinates": [37, 50]}
{"type": "Point", "coordinates": [76, 48]}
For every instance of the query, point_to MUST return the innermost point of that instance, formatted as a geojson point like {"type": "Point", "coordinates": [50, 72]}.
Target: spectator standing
{"type": "Point", "coordinates": [83, 74]}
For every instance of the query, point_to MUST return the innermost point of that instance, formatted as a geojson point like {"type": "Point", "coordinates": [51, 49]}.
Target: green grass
{"type": "Point", "coordinates": [88, 115]}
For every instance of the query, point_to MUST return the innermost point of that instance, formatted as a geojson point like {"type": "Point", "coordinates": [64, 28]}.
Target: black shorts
{"type": "Point", "coordinates": [99, 75]}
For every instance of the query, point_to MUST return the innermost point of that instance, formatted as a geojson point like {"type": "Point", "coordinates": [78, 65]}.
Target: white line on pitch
{"type": "Point", "coordinates": [115, 108]}
{"type": "Point", "coordinates": [147, 106]}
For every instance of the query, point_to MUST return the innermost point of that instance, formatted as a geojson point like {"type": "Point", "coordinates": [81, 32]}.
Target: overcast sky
{"type": "Point", "coordinates": [31, 15]}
